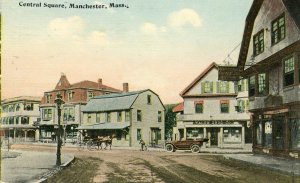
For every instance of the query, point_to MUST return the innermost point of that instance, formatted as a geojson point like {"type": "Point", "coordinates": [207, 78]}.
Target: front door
{"type": "Point", "coordinates": [181, 134]}
{"type": "Point", "coordinates": [214, 136]}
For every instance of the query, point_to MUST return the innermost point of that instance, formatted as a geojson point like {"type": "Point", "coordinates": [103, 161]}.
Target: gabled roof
{"type": "Point", "coordinates": [113, 102]}
{"type": "Point", "coordinates": [293, 8]}
{"type": "Point", "coordinates": [21, 98]}
{"type": "Point", "coordinates": [207, 70]}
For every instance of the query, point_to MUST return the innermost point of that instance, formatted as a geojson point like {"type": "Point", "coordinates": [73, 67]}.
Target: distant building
{"type": "Point", "coordinates": [270, 60]}
{"type": "Point", "coordinates": [210, 110]}
{"type": "Point", "coordinates": [19, 116]}
{"type": "Point", "coordinates": [128, 117]}
{"type": "Point", "coordinates": [75, 97]}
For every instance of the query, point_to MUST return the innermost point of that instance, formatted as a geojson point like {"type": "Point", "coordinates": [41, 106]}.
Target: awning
{"type": "Point", "coordinates": [104, 126]}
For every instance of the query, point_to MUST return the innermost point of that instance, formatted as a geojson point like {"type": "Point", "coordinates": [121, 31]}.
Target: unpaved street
{"type": "Point", "coordinates": [151, 166]}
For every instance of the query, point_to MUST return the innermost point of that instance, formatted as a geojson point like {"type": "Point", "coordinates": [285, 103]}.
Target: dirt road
{"type": "Point", "coordinates": [140, 166]}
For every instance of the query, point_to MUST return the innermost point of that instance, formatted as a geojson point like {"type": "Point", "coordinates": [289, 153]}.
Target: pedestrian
{"type": "Point", "coordinates": [142, 144]}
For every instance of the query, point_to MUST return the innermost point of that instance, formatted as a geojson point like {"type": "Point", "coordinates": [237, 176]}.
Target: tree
{"type": "Point", "coordinates": [170, 120]}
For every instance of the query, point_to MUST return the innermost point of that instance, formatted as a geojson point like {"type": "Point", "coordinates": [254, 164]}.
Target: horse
{"type": "Point", "coordinates": [107, 141]}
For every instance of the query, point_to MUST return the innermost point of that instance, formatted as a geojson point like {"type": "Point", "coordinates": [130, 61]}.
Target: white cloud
{"type": "Point", "coordinates": [184, 17]}
{"type": "Point", "coordinates": [66, 26]}
{"type": "Point", "coordinates": [97, 37]}
{"type": "Point", "coordinates": [148, 28]}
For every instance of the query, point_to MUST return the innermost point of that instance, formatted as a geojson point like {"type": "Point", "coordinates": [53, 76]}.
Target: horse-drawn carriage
{"type": "Point", "coordinates": [95, 143]}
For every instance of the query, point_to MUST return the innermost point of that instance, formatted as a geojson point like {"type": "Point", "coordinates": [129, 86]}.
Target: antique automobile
{"type": "Point", "coordinates": [190, 144]}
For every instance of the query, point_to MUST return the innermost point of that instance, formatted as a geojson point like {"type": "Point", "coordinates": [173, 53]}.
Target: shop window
{"type": "Point", "coordinates": [258, 43]}
{"type": "Point", "coordinates": [127, 115]}
{"type": "Point", "coordinates": [258, 131]}
{"type": "Point", "coordinates": [159, 116]}
{"type": "Point", "coordinates": [262, 89]}
{"type": "Point", "coordinates": [268, 133]}
{"type": "Point", "coordinates": [138, 134]}
{"type": "Point", "coordinates": [289, 68]}
{"type": "Point", "coordinates": [139, 115]}
{"type": "Point", "coordinates": [232, 135]}
{"type": "Point", "coordinates": [279, 132]}
{"type": "Point", "coordinates": [47, 114]}
{"type": "Point", "coordinates": [98, 115]}
{"type": "Point", "coordinates": [224, 106]}
{"type": "Point", "coordinates": [198, 106]}
{"type": "Point", "coordinates": [278, 29]}
{"type": "Point", "coordinates": [207, 87]}
{"type": "Point", "coordinates": [223, 87]}
{"type": "Point", "coordinates": [119, 116]}
{"type": "Point", "coordinates": [68, 114]}
{"type": "Point", "coordinates": [194, 133]}
{"type": "Point", "coordinates": [294, 126]}
{"type": "Point", "coordinates": [252, 86]}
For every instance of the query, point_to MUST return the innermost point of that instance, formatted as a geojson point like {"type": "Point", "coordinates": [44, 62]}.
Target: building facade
{"type": "Point", "coordinates": [75, 97]}
{"type": "Point", "coordinates": [210, 110]}
{"type": "Point", "coordinates": [19, 118]}
{"type": "Point", "coordinates": [127, 117]}
{"type": "Point", "coordinates": [270, 59]}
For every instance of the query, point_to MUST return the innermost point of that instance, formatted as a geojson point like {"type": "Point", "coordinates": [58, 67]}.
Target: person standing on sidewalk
{"type": "Point", "coordinates": [142, 144]}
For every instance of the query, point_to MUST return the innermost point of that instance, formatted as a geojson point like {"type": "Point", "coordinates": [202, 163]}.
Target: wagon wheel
{"type": "Point", "coordinates": [170, 148]}
{"type": "Point", "coordinates": [195, 148]}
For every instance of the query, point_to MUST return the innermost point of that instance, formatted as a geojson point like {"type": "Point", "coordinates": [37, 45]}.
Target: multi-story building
{"type": "Point", "coordinates": [270, 59]}
{"type": "Point", "coordinates": [19, 116]}
{"type": "Point", "coordinates": [210, 110]}
{"type": "Point", "coordinates": [75, 97]}
{"type": "Point", "coordinates": [128, 117]}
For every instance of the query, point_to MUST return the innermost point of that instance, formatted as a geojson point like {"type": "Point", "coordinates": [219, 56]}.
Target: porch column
{"type": "Point", "coordinates": [37, 135]}
{"type": "Point", "coordinates": [25, 131]}
{"type": "Point", "coordinates": [243, 136]}
{"type": "Point", "coordinates": [14, 134]}
{"type": "Point", "coordinates": [221, 138]}
{"type": "Point", "coordinates": [205, 136]}
{"type": "Point", "coordinates": [184, 133]}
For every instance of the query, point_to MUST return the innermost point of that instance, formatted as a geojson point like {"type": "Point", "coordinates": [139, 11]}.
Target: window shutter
{"type": "Point", "coordinates": [202, 87]}
{"type": "Point", "coordinates": [228, 84]}
{"type": "Point", "coordinates": [218, 87]}
{"type": "Point", "coordinates": [212, 87]}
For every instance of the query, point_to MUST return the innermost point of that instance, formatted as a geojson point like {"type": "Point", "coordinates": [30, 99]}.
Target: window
{"type": "Point", "coordinates": [89, 118]}
{"type": "Point", "coordinates": [192, 133]}
{"type": "Point", "coordinates": [294, 126]}
{"type": "Point", "coordinates": [108, 117]}
{"type": "Point", "coordinates": [258, 130]}
{"type": "Point", "coordinates": [268, 132]}
{"type": "Point", "coordinates": [258, 43]}
{"type": "Point", "coordinates": [127, 115]}
{"type": "Point", "coordinates": [119, 116]}
{"type": "Point", "coordinates": [262, 84]}
{"type": "Point", "coordinates": [278, 29]}
{"type": "Point", "coordinates": [159, 116]}
{"type": "Point", "coordinates": [97, 117]}
{"type": "Point", "coordinates": [207, 87]}
{"type": "Point", "coordinates": [138, 134]}
{"type": "Point", "coordinates": [224, 106]}
{"type": "Point", "coordinates": [90, 95]}
{"type": "Point", "coordinates": [148, 99]}
{"type": "Point", "coordinates": [24, 120]}
{"type": "Point", "coordinates": [241, 106]}
{"type": "Point", "coordinates": [48, 98]}
{"type": "Point", "coordinates": [17, 107]}
{"type": "Point", "coordinates": [251, 86]}
{"type": "Point", "coordinates": [198, 106]}
{"type": "Point", "coordinates": [223, 87]}
{"type": "Point", "coordinates": [241, 86]}
{"type": "Point", "coordinates": [47, 114]}
{"type": "Point", "coordinates": [139, 115]}
{"type": "Point", "coordinates": [70, 95]}
{"type": "Point", "coordinates": [289, 68]}
{"type": "Point", "coordinates": [68, 114]}
{"type": "Point", "coordinates": [232, 135]}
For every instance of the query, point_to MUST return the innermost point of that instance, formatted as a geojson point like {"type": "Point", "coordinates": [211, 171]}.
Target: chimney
{"type": "Point", "coordinates": [99, 83]}
{"type": "Point", "coordinates": [125, 88]}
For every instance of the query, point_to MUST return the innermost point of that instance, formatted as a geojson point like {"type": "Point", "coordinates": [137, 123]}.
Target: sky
{"type": "Point", "coordinates": [162, 45]}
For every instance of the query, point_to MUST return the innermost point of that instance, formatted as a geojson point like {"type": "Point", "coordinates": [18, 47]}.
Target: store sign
{"type": "Point", "coordinates": [228, 73]}
{"type": "Point", "coordinates": [213, 122]}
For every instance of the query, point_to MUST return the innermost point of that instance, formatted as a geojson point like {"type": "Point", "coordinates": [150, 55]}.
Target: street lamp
{"type": "Point", "coordinates": [58, 101]}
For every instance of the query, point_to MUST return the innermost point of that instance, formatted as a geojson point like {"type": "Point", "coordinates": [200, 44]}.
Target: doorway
{"type": "Point", "coordinates": [213, 136]}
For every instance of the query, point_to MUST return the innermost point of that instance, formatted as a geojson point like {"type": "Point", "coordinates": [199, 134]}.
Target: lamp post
{"type": "Point", "coordinates": [58, 101]}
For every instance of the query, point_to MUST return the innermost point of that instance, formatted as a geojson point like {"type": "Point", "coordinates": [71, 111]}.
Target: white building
{"type": "Point", "coordinates": [210, 109]}
{"type": "Point", "coordinates": [19, 117]}
{"type": "Point", "coordinates": [128, 117]}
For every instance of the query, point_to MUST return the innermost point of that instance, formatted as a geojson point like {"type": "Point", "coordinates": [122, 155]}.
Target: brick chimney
{"type": "Point", "coordinates": [125, 88]}
{"type": "Point", "coordinates": [99, 83]}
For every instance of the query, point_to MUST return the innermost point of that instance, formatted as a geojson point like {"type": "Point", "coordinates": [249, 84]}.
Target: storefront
{"type": "Point", "coordinates": [221, 133]}
{"type": "Point", "coordinates": [277, 131]}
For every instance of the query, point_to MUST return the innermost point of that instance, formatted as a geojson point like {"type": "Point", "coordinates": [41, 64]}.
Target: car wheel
{"type": "Point", "coordinates": [170, 148]}
{"type": "Point", "coordinates": [195, 148]}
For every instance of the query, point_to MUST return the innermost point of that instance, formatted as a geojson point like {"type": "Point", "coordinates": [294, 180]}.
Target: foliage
{"type": "Point", "coordinates": [170, 120]}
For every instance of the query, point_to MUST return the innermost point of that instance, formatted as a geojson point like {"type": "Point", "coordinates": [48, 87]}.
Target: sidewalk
{"type": "Point", "coordinates": [29, 166]}
{"type": "Point", "coordinates": [270, 162]}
